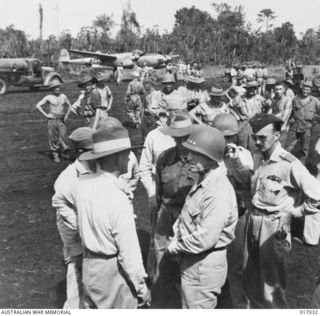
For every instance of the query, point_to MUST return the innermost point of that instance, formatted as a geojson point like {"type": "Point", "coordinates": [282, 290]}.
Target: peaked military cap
{"type": "Point", "coordinates": [261, 120]}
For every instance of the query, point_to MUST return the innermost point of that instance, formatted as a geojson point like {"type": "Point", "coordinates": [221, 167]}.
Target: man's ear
{"type": "Point", "coordinates": [277, 135]}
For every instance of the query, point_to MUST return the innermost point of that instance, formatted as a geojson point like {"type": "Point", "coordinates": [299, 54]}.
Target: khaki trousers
{"type": "Point", "coordinates": [202, 277]}
{"type": "Point", "coordinates": [235, 266]}
{"type": "Point", "coordinates": [58, 138]}
{"type": "Point", "coordinates": [105, 286]}
{"type": "Point", "coordinates": [265, 262]}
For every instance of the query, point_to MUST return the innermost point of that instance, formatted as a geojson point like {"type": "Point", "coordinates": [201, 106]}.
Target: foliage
{"type": "Point", "coordinates": [222, 36]}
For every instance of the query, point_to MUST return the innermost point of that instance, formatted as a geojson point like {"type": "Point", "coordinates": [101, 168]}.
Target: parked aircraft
{"type": "Point", "coordinates": [128, 60]}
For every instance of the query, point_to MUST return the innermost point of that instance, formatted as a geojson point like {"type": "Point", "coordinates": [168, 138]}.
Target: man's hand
{"type": "Point", "coordinates": [232, 151]}
{"type": "Point", "coordinates": [81, 96]}
{"type": "Point", "coordinates": [144, 299]}
{"type": "Point", "coordinates": [285, 219]}
{"type": "Point", "coordinates": [173, 247]}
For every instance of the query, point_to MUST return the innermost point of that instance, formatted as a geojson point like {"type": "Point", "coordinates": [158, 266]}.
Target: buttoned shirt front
{"type": "Point", "coordinates": [64, 197]}
{"type": "Point", "coordinates": [209, 215]}
{"type": "Point", "coordinates": [156, 142]}
{"type": "Point", "coordinates": [252, 106]}
{"type": "Point", "coordinates": [106, 223]}
{"type": "Point", "coordinates": [277, 183]}
{"type": "Point", "coordinates": [173, 178]}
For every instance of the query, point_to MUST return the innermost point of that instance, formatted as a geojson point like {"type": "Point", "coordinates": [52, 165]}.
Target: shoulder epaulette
{"type": "Point", "coordinates": [288, 157]}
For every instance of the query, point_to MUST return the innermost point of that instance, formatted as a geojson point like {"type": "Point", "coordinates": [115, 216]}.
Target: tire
{"type": "Point", "coordinates": [3, 86]}
{"type": "Point", "coordinates": [226, 78]}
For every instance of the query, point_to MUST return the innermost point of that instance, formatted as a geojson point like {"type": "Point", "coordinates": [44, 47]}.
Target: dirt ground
{"type": "Point", "coordinates": [32, 272]}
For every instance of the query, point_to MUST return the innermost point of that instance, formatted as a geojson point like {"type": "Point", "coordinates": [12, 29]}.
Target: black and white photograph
{"type": "Point", "coordinates": [160, 154]}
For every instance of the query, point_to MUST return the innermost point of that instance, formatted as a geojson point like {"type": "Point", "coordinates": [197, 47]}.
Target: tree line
{"type": "Point", "coordinates": [221, 37]}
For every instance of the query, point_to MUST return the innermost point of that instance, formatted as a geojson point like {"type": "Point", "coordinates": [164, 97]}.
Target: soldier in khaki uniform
{"type": "Point", "coordinates": [207, 222]}
{"type": "Point", "coordinates": [276, 185]}
{"type": "Point", "coordinates": [304, 115]}
{"type": "Point", "coordinates": [250, 105]}
{"type": "Point", "coordinates": [173, 182]}
{"type": "Point", "coordinates": [238, 166]}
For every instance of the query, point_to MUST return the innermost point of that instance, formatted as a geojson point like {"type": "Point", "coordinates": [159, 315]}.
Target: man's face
{"type": "Point", "coordinates": [56, 91]}
{"type": "Point", "coordinates": [266, 138]}
{"type": "Point", "coordinates": [251, 92]}
{"type": "Point", "coordinates": [198, 162]}
{"type": "Point", "coordinates": [306, 91]}
{"type": "Point", "coordinates": [279, 91]}
{"type": "Point", "coordinates": [168, 88]}
{"type": "Point", "coordinates": [123, 160]}
{"type": "Point", "coordinates": [100, 84]}
{"type": "Point", "coordinates": [88, 87]}
{"type": "Point", "coordinates": [216, 101]}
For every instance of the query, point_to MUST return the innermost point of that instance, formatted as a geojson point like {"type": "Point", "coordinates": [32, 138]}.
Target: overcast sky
{"type": "Point", "coordinates": [72, 14]}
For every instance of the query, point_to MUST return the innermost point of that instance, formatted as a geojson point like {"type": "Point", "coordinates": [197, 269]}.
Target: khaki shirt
{"type": "Point", "coordinates": [250, 107]}
{"type": "Point", "coordinates": [277, 183]}
{"type": "Point", "coordinates": [209, 215]}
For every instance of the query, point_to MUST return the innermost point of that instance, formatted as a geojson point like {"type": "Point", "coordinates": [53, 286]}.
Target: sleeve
{"type": "Point", "coordinates": [126, 239]}
{"type": "Point", "coordinates": [145, 166]}
{"type": "Point", "coordinates": [62, 202]}
{"type": "Point", "coordinates": [158, 180]}
{"type": "Point", "coordinates": [310, 186]}
{"type": "Point", "coordinates": [207, 233]}
{"type": "Point", "coordinates": [109, 93]}
{"type": "Point", "coordinates": [134, 167]}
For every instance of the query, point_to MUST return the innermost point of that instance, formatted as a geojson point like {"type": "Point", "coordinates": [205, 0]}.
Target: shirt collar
{"type": "Point", "coordinates": [82, 167]}
{"type": "Point", "coordinates": [275, 156]}
{"type": "Point", "coordinates": [204, 183]}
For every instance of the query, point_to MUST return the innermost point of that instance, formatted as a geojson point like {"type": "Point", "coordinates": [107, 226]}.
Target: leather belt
{"type": "Point", "coordinates": [259, 211]}
{"type": "Point", "coordinates": [206, 252]}
{"type": "Point", "coordinates": [93, 255]}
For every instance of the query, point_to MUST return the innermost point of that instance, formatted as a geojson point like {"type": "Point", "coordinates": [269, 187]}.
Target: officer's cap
{"type": "Point", "coordinates": [261, 120]}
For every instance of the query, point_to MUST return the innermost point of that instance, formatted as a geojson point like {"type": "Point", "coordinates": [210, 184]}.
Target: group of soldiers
{"type": "Point", "coordinates": [222, 192]}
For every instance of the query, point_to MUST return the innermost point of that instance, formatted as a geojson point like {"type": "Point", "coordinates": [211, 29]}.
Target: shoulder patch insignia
{"type": "Point", "coordinates": [288, 157]}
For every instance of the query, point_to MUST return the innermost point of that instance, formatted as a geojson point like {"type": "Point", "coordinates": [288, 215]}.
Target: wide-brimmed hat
{"type": "Point", "coordinates": [195, 80]}
{"type": "Point", "coordinates": [270, 81]}
{"type": "Point", "coordinates": [55, 84]}
{"type": "Point", "coordinates": [107, 141]}
{"type": "Point", "coordinates": [288, 82]}
{"type": "Point", "coordinates": [82, 138]}
{"type": "Point", "coordinates": [179, 124]}
{"type": "Point", "coordinates": [100, 77]}
{"type": "Point", "coordinates": [175, 101]}
{"type": "Point", "coordinates": [216, 92]}
{"type": "Point", "coordinates": [86, 79]}
{"type": "Point", "coordinates": [252, 84]}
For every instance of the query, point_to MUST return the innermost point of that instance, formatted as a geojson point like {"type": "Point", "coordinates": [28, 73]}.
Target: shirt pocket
{"type": "Point", "coordinates": [271, 191]}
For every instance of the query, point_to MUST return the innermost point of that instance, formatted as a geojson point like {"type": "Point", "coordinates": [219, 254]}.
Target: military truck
{"type": "Point", "coordinates": [25, 72]}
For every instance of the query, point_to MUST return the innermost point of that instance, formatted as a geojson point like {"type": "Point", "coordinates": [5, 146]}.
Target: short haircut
{"type": "Point", "coordinates": [279, 83]}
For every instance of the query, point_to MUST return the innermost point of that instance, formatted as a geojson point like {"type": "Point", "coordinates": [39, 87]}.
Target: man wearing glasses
{"type": "Point", "coordinates": [276, 186]}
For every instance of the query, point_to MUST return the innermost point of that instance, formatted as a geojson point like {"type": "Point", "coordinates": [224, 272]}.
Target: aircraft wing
{"type": "Point", "coordinates": [102, 57]}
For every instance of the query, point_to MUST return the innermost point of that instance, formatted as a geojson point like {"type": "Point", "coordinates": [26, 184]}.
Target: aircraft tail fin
{"type": "Point", "coordinates": [64, 56]}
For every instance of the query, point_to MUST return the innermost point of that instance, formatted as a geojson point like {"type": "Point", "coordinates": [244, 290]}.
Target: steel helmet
{"type": "Point", "coordinates": [168, 78]}
{"type": "Point", "coordinates": [207, 141]}
{"type": "Point", "coordinates": [226, 124]}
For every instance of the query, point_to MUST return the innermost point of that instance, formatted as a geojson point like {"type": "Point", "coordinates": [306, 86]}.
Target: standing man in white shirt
{"type": "Point", "coordinates": [113, 274]}
{"type": "Point", "coordinates": [67, 218]}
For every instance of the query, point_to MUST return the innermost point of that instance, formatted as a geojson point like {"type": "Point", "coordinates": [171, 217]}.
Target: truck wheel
{"type": "Point", "coordinates": [3, 86]}
{"type": "Point", "coordinates": [226, 78]}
